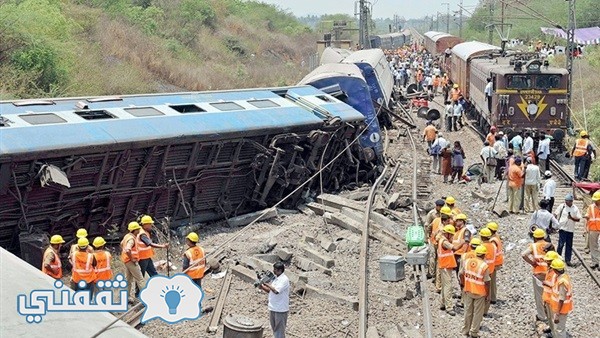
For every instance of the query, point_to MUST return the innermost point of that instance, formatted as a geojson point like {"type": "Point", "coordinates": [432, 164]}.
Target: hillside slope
{"type": "Point", "coordinates": [52, 48]}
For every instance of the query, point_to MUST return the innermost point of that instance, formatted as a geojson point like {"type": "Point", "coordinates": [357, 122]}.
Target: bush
{"type": "Point", "coordinates": [43, 63]}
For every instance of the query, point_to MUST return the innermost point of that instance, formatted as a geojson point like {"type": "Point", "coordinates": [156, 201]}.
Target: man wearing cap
{"type": "Point", "coordinates": [582, 152]}
{"type": "Point", "coordinates": [592, 222]}
{"type": "Point", "coordinates": [561, 301]}
{"type": "Point", "coordinates": [81, 233]}
{"type": "Point", "coordinates": [474, 276]}
{"type": "Point", "coordinates": [194, 261]}
{"type": "Point", "coordinates": [434, 233]}
{"type": "Point", "coordinates": [51, 264]}
{"type": "Point", "coordinates": [543, 151]}
{"type": "Point", "coordinates": [548, 284]}
{"type": "Point", "coordinates": [542, 218]}
{"type": "Point", "coordinates": [533, 179]}
{"type": "Point", "coordinates": [549, 189]}
{"type": "Point", "coordinates": [498, 260]}
{"type": "Point", "coordinates": [501, 154]}
{"type": "Point", "coordinates": [103, 259]}
{"type": "Point", "coordinates": [568, 215]}
{"type": "Point", "coordinates": [446, 264]}
{"type": "Point", "coordinates": [433, 214]}
{"type": "Point", "coordinates": [515, 183]}
{"type": "Point", "coordinates": [130, 256]}
{"type": "Point", "coordinates": [145, 246]}
{"type": "Point", "coordinates": [84, 267]}
{"type": "Point", "coordinates": [490, 259]}
{"type": "Point", "coordinates": [488, 157]}
{"type": "Point", "coordinates": [534, 256]}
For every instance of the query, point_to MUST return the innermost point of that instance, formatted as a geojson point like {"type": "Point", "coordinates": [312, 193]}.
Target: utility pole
{"type": "Point", "coordinates": [363, 18]}
{"type": "Point", "coordinates": [491, 23]}
{"type": "Point", "coordinates": [460, 19]}
{"type": "Point", "coordinates": [502, 7]}
{"type": "Point", "coordinates": [447, 16]}
{"type": "Point", "coordinates": [570, 49]}
{"type": "Point", "coordinates": [437, 22]}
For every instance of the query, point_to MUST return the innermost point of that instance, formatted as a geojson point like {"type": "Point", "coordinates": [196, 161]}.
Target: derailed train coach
{"type": "Point", "coordinates": [97, 163]}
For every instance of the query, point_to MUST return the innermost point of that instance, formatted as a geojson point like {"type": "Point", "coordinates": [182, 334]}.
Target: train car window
{"type": "Point", "coordinates": [547, 81]}
{"type": "Point", "coordinates": [263, 103]}
{"type": "Point", "coordinates": [36, 119]}
{"type": "Point", "coordinates": [187, 108]}
{"type": "Point", "coordinates": [227, 106]}
{"type": "Point", "coordinates": [518, 81]}
{"type": "Point", "coordinates": [143, 111]}
{"type": "Point", "coordinates": [95, 114]}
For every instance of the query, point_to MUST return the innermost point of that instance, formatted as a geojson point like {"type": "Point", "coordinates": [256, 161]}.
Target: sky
{"type": "Point", "coordinates": [410, 9]}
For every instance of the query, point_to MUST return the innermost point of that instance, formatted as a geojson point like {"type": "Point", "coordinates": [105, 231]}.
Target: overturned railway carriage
{"type": "Point", "coordinates": [98, 163]}
{"type": "Point", "coordinates": [527, 94]}
{"type": "Point", "coordinates": [389, 41]}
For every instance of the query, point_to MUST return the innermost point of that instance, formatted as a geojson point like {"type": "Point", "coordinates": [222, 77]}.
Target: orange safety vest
{"type": "Point", "coordinates": [593, 215]}
{"type": "Point", "coordinates": [83, 269]}
{"type": "Point", "coordinates": [55, 264]}
{"type": "Point", "coordinates": [499, 250]}
{"type": "Point", "coordinates": [197, 264]}
{"type": "Point", "coordinates": [459, 236]}
{"type": "Point", "coordinates": [490, 256]}
{"type": "Point", "coordinates": [103, 270]}
{"type": "Point", "coordinates": [537, 249]}
{"type": "Point", "coordinates": [469, 254]}
{"type": "Point", "coordinates": [446, 259]}
{"type": "Point", "coordinates": [455, 93]}
{"type": "Point", "coordinates": [474, 272]}
{"type": "Point", "coordinates": [548, 285]}
{"type": "Point", "coordinates": [145, 251]}
{"type": "Point", "coordinates": [580, 147]}
{"type": "Point", "coordinates": [567, 307]}
{"type": "Point", "coordinates": [436, 225]}
{"type": "Point", "coordinates": [134, 250]}
{"type": "Point", "coordinates": [456, 211]}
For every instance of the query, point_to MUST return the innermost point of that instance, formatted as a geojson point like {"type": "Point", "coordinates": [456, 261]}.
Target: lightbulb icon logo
{"type": "Point", "coordinates": [171, 299]}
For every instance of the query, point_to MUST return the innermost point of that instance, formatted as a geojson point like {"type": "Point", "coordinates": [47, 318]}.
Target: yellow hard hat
{"type": "Point", "coordinates": [455, 85]}
{"type": "Point", "coordinates": [485, 232]}
{"type": "Point", "coordinates": [450, 200]}
{"type": "Point", "coordinates": [446, 211]}
{"type": "Point", "coordinates": [192, 236]}
{"type": "Point", "coordinates": [83, 243]}
{"type": "Point", "coordinates": [81, 233]}
{"type": "Point", "coordinates": [583, 133]}
{"type": "Point", "coordinates": [596, 196]}
{"type": "Point", "coordinates": [539, 233]}
{"type": "Point", "coordinates": [56, 239]}
{"type": "Point", "coordinates": [558, 264]}
{"type": "Point", "coordinates": [475, 241]}
{"type": "Point", "coordinates": [481, 250]}
{"type": "Point", "coordinates": [133, 226]}
{"type": "Point", "coordinates": [449, 229]}
{"type": "Point", "coordinates": [461, 216]}
{"type": "Point", "coordinates": [98, 242]}
{"type": "Point", "coordinates": [551, 255]}
{"type": "Point", "coordinates": [492, 226]}
{"type": "Point", "coordinates": [147, 219]}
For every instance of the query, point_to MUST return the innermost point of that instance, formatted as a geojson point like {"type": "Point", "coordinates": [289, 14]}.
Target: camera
{"type": "Point", "coordinates": [264, 278]}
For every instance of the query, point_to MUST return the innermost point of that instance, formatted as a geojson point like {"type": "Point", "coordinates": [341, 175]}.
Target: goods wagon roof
{"type": "Point", "coordinates": [432, 34]}
{"type": "Point", "coordinates": [332, 70]}
{"type": "Point", "coordinates": [469, 49]}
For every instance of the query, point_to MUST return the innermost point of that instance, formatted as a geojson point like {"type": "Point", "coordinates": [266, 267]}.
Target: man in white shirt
{"type": "Point", "coordinates": [279, 300]}
{"type": "Point", "coordinates": [489, 91]}
{"type": "Point", "coordinates": [488, 156]}
{"type": "Point", "coordinates": [543, 151]}
{"type": "Point", "coordinates": [549, 189]}
{"type": "Point", "coordinates": [533, 179]}
{"type": "Point", "coordinates": [449, 115]}
{"type": "Point", "coordinates": [457, 115]}
{"type": "Point", "coordinates": [517, 143]}
{"type": "Point", "coordinates": [543, 219]}
{"type": "Point", "coordinates": [527, 144]}
{"type": "Point", "coordinates": [439, 143]}
{"type": "Point", "coordinates": [568, 215]}
{"type": "Point", "coordinates": [501, 153]}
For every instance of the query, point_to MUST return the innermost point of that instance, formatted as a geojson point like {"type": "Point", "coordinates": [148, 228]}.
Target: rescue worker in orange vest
{"type": "Point", "coordinates": [432, 215]}
{"type": "Point", "coordinates": [592, 222]}
{"type": "Point", "coordinates": [84, 269]}
{"type": "Point", "coordinates": [130, 256]}
{"type": "Point", "coordinates": [51, 264]}
{"type": "Point", "coordinates": [145, 247]}
{"type": "Point", "coordinates": [446, 264]}
{"type": "Point", "coordinates": [473, 244]}
{"type": "Point", "coordinates": [460, 241]}
{"type": "Point", "coordinates": [534, 255]}
{"type": "Point", "coordinates": [451, 203]}
{"type": "Point", "coordinates": [561, 302]}
{"type": "Point", "coordinates": [436, 226]}
{"type": "Point", "coordinates": [548, 284]}
{"type": "Point", "coordinates": [582, 151]}
{"type": "Point", "coordinates": [475, 279]}
{"type": "Point", "coordinates": [81, 233]}
{"type": "Point", "coordinates": [103, 257]}
{"type": "Point", "coordinates": [455, 93]}
{"type": "Point", "coordinates": [498, 261]}
{"type": "Point", "coordinates": [194, 262]}
{"type": "Point", "coordinates": [490, 259]}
